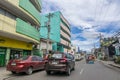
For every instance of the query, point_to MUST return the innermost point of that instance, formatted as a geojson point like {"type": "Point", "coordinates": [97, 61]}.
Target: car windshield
{"type": "Point", "coordinates": [57, 56]}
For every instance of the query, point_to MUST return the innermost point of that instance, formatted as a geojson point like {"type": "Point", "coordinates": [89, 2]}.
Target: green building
{"type": "Point", "coordinates": [19, 25]}
{"type": "Point", "coordinates": [60, 34]}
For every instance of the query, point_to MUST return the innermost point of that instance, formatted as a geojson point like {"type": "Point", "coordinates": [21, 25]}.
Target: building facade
{"type": "Point", "coordinates": [60, 34]}
{"type": "Point", "coordinates": [19, 24]}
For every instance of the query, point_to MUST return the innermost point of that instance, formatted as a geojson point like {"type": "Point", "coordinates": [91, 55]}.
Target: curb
{"type": "Point", "coordinates": [111, 66]}
{"type": "Point", "coordinates": [114, 66]}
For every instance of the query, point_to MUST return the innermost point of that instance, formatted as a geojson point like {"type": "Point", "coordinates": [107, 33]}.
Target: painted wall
{"type": "Point", "coordinates": [29, 7]}
{"type": "Point", "coordinates": [11, 43]}
{"type": "Point", "coordinates": [44, 45]}
{"type": "Point", "coordinates": [7, 22]}
{"type": "Point", "coordinates": [24, 28]}
{"type": "Point", "coordinates": [54, 25]}
{"type": "Point", "coordinates": [57, 34]}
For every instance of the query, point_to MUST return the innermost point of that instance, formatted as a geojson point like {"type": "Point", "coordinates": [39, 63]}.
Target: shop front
{"type": "Point", "coordinates": [11, 49]}
{"type": "Point", "coordinates": [2, 56]}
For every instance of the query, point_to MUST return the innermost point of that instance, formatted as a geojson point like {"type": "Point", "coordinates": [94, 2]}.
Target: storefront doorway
{"type": "Point", "coordinates": [15, 53]}
{"type": "Point", "coordinates": [2, 56]}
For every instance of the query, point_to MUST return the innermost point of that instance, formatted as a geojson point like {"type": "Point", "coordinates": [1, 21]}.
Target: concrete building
{"type": "Point", "coordinates": [60, 34]}
{"type": "Point", "coordinates": [19, 24]}
{"type": "Point", "coordinates": [73, 50]}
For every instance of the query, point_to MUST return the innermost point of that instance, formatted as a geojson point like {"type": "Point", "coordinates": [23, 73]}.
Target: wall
{"type": "Point", "coordinates": [24, 28]}
{"type": "Point", "coordinates": [55, 27]}
{"type": "Point", "coordinates": [28, 6]}
{"type": "Point", "coordinates": [44, 45]}
{"type": "Point", "coordinates": [7, 22]}
{"type": "Point", "coordinates": [11, 43]}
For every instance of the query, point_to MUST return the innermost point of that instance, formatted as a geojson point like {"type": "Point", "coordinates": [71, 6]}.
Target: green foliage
{"type": "Point", "coordinates": [117, 60]}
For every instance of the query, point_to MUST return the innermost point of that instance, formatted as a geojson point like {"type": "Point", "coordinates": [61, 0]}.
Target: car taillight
{"type": "Point", "coordinates": [20, 66]}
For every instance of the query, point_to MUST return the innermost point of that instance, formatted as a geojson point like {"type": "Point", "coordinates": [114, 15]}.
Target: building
{"type": "Point", "coordinates": [73, 49]}
{"type": "Point", "coordinates": [117, 43]}
{"type": "Point", "coordinates": [19, 24]}
{"type": "Point", "coordinates": [60, 34]}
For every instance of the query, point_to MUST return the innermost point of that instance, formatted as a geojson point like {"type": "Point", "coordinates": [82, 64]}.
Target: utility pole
{"type": "Point", "coordinates": [49, 29]}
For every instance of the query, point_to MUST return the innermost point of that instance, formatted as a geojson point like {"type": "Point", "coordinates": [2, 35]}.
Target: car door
{"type": "Point", "coordinates": [35, 62]}
{"type": "Point", "coordinates": [72, 61]}
{"type": "Point", "coordinates": [68, 60]}
{"type": "Point", "coordinates": [41, 62]}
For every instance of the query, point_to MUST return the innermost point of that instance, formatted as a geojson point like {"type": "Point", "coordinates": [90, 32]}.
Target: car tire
{"type": "Point", "coordinates": [68, 71]}
{"type": "Point", "coordinates": [73, 68]}
{"type": "Point", "coordinates": [13, 72]}
{"type": "Point", "coordinates": [29, 71]}
{"type": "Point", "coordinates": [48, 72]}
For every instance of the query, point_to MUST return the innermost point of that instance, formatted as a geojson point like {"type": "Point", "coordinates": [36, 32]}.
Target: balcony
{"type": "Point", "coordinates": [26, 29]}
{"type": "Point", "coordinates": [30, 8]}
{"type": "Point", "coordinates": [37, 4]}
{"type": "Point", "coordinates": [8, 28]}
{"type": "Point", "coordinates": [17, 8]}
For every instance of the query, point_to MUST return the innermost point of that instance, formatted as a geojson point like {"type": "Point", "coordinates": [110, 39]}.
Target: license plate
{"type": "Point", "coordinates": [13, 64]}
{"type": "Point", "coordinates": [54, 62]}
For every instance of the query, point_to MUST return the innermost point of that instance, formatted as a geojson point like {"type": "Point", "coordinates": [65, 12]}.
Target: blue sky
{"type": "Point", "coordinates": [88, 19]}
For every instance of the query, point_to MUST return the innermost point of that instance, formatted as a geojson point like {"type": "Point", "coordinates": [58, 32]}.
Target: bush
{"type": "Point", "coordinates": [117, 60]}
{"type": "Point", "coordinates": [105, 58]}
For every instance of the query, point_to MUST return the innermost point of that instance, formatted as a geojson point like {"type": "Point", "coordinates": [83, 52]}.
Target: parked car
{"type": "Point", "coordinates": [26, 64]}
{"type": "Point", "coordinates": [60, 62]}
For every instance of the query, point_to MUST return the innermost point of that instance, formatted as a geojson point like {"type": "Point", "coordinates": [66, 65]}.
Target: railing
{"type": "Point", "coordinates": [26, 29]}
{"type": "Point", "coordinates": [28, 6]}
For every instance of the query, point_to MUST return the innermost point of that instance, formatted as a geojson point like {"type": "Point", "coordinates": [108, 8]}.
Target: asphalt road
{"type": "Point", "coordinates": [82, 71]}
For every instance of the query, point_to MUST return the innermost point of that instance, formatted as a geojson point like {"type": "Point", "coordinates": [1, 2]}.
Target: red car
{"type": "Point", "coordinates": [26, 64]}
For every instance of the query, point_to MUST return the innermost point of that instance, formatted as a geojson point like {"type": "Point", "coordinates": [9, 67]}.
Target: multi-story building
{"type": "Point", "coordinates": [19, 24]}
{"type": "Point", "coordinates": [60, 34]}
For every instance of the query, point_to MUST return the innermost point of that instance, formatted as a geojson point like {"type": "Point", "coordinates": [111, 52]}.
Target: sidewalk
{"type": "Point", "coordinates": [3, 73]}
{"type": "Point", "coordinates": [111, 64]}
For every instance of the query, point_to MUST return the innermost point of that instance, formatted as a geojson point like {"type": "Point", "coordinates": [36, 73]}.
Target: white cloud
{"type": "Point", "coordinates": [86, 14]}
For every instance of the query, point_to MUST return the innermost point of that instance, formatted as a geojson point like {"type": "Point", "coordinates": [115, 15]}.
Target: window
{"type": "Point", "coordinates": [34, 59]}
{"type": "Point", "coordinates": [58, 56]}
{"type": "Point", "coordinates": [24, 58]}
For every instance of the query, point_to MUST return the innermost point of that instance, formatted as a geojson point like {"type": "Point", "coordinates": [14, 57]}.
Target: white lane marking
{"type": "Point", "coordinates": [81, 71]}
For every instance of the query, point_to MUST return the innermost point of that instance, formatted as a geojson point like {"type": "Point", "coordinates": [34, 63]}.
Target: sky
{"type": "Point", "coordinates": [88, 19]}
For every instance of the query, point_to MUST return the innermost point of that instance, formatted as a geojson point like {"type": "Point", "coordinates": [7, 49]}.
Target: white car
{"type": "Point", "coordinates": [77, 57]}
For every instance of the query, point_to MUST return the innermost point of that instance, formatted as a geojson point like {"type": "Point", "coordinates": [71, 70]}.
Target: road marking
{"type": "Point", "coordinates": [81, 71]}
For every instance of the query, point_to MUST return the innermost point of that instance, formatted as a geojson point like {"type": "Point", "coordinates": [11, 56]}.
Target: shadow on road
{"type": "Point", "coordinates": [58, 74]}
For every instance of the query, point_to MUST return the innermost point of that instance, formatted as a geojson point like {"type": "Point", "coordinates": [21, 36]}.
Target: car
{"type": "Point", "coordinates": [60, 62]}
{"type": "Point", "coordinates": [26, 64]}
{"type": "Point", "coordinates": [77, 57]}
{"type": "Point", "coordinates": [90, 58]}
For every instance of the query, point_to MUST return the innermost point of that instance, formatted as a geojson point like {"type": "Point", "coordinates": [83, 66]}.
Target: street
{"type": "Point", "coordinates": [82, 71]}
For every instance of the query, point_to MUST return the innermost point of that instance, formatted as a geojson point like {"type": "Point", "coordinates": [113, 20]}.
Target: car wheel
{"type": "Point", "coordinates": [73, 68]}
{"type": "Point", "coordinates": [48, 72]}
{"type": "Point", "coordinates": [13, 72]}
{"type": "Point", "coordinates": [68, 71]}
{"type": "Point", "coordinates": [29, 71]}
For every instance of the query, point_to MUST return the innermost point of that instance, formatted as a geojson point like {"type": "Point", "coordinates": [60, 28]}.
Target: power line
{"type": "Point", "coordinates": [107, 10]}
{"type": "Point", "coordinates": [101, 10]}
{"type": "Point", "coordinates": [115, 17]}
{"type": "Point", "coordinates": [95, 10]}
